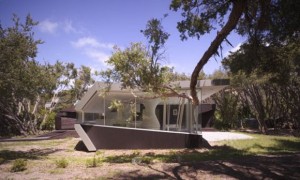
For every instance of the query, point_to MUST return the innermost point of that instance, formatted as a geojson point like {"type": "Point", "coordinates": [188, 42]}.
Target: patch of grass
{"type": "Point", "coordinates": [19, 165]}
{"type": "Point", "coordinates": [99, 153]}
{"type": "Point", "coordinates": [13, 155]}
{"type": "Point", "coordinates": [44, 143]}
{"type": "Point", "coordinates": [265, 144]}
{"type": "Point", "coordinates": [62, 163]}
{"type": "Point", "coordinates": [35, 153]}
{"type": "Point", "coordinates": [94, 162]}
{"type": "Point", "coordinates": [260, 144]}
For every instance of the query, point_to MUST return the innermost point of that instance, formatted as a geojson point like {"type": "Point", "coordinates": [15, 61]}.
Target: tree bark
{"type": "Point", "coordinates": [237, 10]}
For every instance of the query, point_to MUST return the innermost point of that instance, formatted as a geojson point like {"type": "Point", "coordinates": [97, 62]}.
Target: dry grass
{"type": "Point", "coordinates": [41, 157]}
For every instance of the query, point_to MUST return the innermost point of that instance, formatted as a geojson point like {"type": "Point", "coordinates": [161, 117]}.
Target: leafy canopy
{"type": "Point", "coordinates": [132, 67]}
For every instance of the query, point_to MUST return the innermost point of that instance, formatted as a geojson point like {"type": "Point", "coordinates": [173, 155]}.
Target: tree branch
{"type": "Point", "coordinates": [237, 10]}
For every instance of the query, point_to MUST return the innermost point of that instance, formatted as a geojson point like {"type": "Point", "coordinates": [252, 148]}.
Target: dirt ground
{"type": "Point", "coordinates": [41, 165]}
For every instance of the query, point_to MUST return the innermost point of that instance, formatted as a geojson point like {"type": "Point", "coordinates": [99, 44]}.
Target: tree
{"type": "Point", "coordinates": [262, 22]}
{"type": "Point", "coordinates": [21, 78]}
{"type": "Point", "coordinates": [68, 85]}
{"type": "Point", "coordinates": [218, 74]}
{"type": "Point", "coordinates": [269, 85]}
{"type": "Point", "coordinates": [227, 109]}
{"type": "Point", "coordinates": [26, 85]}
{"type": "Point", "coordinates": [132, 67]}
{"type": "Point", "coordinates": [198, 17]}
{"type": "Point", "coordinates": [83, 81]}
{"type": "Point", "coordinates": [157, 38]}
{"type": "Point", "coordinates": [140, 67]}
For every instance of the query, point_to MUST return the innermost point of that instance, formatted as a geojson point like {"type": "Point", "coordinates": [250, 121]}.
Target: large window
{"type": "Point", "coordinates": [91, 116]}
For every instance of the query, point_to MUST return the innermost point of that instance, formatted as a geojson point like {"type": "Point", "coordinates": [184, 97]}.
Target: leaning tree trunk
{"type": "Point", "coordinates": [237, 10]}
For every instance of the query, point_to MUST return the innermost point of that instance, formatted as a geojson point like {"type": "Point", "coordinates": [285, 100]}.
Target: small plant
{"type": "Point", "coordinates": [90, 163]}
{"type": "Point", "coordinates": [99, 153]}
{"type": "Point", "coordinates": [19, 165]}
{"type": "Point", "coordinates": [136, 153]}
{"type": "Point", "coordinates": [116, 105]}
{"type": "Point", "coordinates": [61, 163]}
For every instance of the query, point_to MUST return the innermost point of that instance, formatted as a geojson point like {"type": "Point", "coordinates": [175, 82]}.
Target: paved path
{"type": "Point", "coordinates": [221, 136]}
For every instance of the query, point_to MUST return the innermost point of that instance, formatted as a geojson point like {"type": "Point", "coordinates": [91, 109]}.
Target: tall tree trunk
{"type": "Point", "coordinates": [237, 10]}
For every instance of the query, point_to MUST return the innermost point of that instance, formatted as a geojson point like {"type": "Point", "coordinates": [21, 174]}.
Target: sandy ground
{"type": "Point", "coordinates": [261, 167]}
{"type": "Point", "coordinates": [41, 157]}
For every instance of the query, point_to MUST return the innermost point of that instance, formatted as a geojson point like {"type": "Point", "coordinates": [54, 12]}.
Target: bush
{"type": "Point", "coordinates": [19, 165]}
{"type": "Point", "coordinates": [49, 123]}
{"type": "Point", "coordinates": [61, 163]}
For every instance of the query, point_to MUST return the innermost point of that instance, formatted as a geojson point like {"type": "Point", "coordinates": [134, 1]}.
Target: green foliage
{"type": "Point", "coordinates": [263, 22]}
{"type": "Point", "coordinates": [61, 163]}
{"type": "Point", "coordinates": [116, 105]}
{"type": "Point", "coordinates": [157, 37]}
{"type": "Point", "coordinates": [83, 81]}
{"type": "Point", "coordinates": [270, 20]}
{"type": "Point", "coordinates": [199, 15]}
{"type": "Point", "coordinates": [21, 77]}
{"type": "Point", "coordinates": [50, 121]}
{"type": "Point", "coordinates": [268, 86]}
{"type": "Point", "coordinates": [132, 67]}
{"type": "Point", "coordinates": [19, 165]}
{"type": "Point", "coordinates": [227, 111]}
{"type": "Point", "coordinates": [26, 85]}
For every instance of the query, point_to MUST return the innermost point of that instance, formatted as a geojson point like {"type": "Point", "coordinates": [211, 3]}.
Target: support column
{"type": "Point", "coordinates": [150, 120]}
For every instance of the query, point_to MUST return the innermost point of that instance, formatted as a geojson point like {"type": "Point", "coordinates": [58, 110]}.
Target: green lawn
{"type": "Point", "coordinates": [265, 144]}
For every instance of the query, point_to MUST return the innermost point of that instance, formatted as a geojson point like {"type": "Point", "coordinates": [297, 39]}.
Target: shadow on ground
{"type": "Point", "coordinates": [250, 167]}
{"type": "Point", "coordinates": [7, 155]}
{"type": "Point", "coordinates": [222, 162]}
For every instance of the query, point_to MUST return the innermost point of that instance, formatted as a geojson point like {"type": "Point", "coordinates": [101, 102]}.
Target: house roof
{"type": "Point", "coordinates": [208, 88]}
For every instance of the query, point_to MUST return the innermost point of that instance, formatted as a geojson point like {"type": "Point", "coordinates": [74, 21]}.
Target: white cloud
{"type": "Point", "coordinates": [91, 42]}
{"type": "Point", "coordinates": [68, 27]}
{"type": "Point", "coordinates": [48, 26]}
{"type": "Point", "coordinates": [97, 55]}
{"type": "Point", "coordinates": [94, 49]}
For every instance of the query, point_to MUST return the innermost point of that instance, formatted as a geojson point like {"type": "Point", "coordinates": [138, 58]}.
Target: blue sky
{"type": "Point", "coordinates": [84, 32]}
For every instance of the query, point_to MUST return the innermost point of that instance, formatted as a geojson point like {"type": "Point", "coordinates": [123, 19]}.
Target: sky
{"type": "Point", "coordinates": [84, 32]}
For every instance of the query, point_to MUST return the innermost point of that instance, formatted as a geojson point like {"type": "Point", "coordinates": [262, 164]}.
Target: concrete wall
{"type": "Point", "coordinates": [107, 137]}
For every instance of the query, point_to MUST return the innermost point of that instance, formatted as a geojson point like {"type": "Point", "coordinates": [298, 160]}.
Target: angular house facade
{"type": "Point", "coordinates": [109, 117]}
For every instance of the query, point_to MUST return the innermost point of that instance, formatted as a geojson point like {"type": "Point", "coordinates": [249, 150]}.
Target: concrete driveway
{"type": "Point", "coordinates": [222, 136]}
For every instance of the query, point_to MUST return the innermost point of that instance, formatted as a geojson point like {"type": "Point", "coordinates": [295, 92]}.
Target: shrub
{"type": "Point", "coordinates": [49, 123]}
{"type": "Point", "coordinates": [19, 165]}
{"type": "Point", "coordinates": [94, 162]}
{"type": "Point", "coordinates": [61, 163]}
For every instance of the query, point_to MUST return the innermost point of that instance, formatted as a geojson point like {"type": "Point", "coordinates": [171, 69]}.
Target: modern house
{"type": "Point", "coordinates": [111, 117]}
